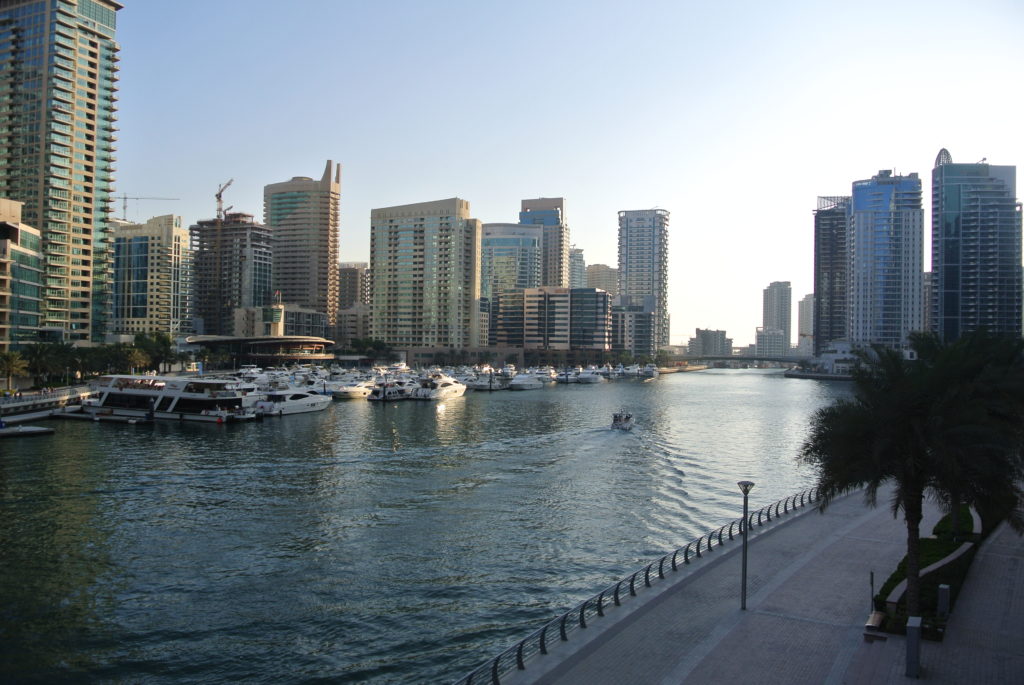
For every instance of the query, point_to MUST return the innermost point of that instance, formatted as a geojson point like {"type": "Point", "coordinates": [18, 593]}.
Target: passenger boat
{"type": "Point", "coordinates": [622, 421]}
{"type": "Point", "coordinates": [215, 400]}
{"type": "Point", "coordinates": [293, 401]}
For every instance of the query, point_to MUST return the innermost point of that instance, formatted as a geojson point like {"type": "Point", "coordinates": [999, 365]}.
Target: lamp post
{"type": "Point", "coordinates": [745, 487]}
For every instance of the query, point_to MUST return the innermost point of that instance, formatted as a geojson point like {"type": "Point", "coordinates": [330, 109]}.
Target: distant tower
{"type": "Point", "coordinates": [643, 268]}
{"type": "Point", "coordinates": [976, 249]}
{"type": "Point", "coordinates": [604, 277]}
{"type": "Point", "coordinates": [886, 236]}
{"type": "Point", "coordinates": [512, 260]}
{"type": "Point", "coordinates": [577, 268]}
{"type": "Point", "coordinates": [303, 217]}
{"type": "Point", "coordinates": [805, 326]}
{"type": "Point", "coordinates": [831, 267]}
{"type": "Point", "coordinates": [777, 311]}
{"type": "Point", "coordinates": [353, 284]}
{"type": "Point", "coordinates": [549, 212]}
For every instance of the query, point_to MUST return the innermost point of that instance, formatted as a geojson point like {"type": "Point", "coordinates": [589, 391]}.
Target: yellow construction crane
{"type": "Point", "coordinates": [220, 200]}
{"type": "Point", "coordinates": [125, 198]}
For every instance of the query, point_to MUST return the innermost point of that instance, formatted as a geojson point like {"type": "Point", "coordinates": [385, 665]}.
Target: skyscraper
{"type": "Point", "coordinates": [577, 268]}
{"type": "Point", "coordinates": [831, 266]}
{"type": "Point", "coordinates": [233, 264]}
{"type": "Point", "coordinates": [805, 326]}
{"type": "Point", "coordinates": [549, 212]}
{"type": "Point", "coordinates": [885, 242]}
{"type": "Point", "coordinates": [152, 281]}
{"type": "Point", "coordinates": [303, 216]}
{"type": "Point", "coordinates": [976, 249]}
{"type": "Point", "coordinates": [512, 258]}
{"type": "Point", "coordinates": [353, 284]}
{"type": "Point", "coordinates": [58, 84]}
{"type": "Point", "coordinates": [21, 278]}
{"type": "Point", "coordinates": [425, 266]}
{"type": "Point", "coordinates": [777, 310]}
{"type": "Point", "coordinates": [643, 268]}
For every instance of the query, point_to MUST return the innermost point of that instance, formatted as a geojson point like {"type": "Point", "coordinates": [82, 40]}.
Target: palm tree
{"type": "Point", "coordinates": [929, 426]}
{"type": "Point", "coordinates": [12, 364]}
{"type": "Point", "coordinates": [43, 360]}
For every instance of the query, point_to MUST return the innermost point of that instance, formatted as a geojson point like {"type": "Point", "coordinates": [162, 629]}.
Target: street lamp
{"type": "Point", "coordinates": [745, 488]}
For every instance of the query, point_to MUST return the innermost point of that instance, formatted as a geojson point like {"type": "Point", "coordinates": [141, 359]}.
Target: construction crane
{"type": "Point", "coordinates": [125, 198]}
{"type": "Point", "coordinates": [220, 199]}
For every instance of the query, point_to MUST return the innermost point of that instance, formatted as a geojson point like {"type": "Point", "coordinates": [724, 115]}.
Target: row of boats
{"type": "Point", "coordinates": [253, 393]}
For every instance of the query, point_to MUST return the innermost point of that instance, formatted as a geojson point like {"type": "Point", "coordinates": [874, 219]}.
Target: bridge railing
{"type": "Point", "coordinates": [560, 629]}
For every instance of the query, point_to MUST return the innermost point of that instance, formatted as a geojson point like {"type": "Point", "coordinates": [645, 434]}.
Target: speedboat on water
{"type": "Point", "coordinates": [438, 386]}
{"type": "Point", "coordinates": [622, 421]}
{"type": "Point", "coordinates": [282, 402]}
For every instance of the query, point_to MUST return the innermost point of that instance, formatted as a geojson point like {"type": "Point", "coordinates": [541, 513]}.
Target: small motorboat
{"type": "Point", "coordinates": [622, 421]}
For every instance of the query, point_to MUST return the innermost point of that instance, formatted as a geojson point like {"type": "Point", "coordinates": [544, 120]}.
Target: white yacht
{"type": "Point", "coordinates": [358, 390]}
{"type": "Point", "coordinates": [568, 375]}
{"type": "Point", "coordinates": [293, 401]}
{"type": "Point", "coordinates": [177, 398]}
{"type": "Point", "coordinates": [590, 375]}
{"type": "Point", "coordinates": [392, 389]}
{"type": "Point", "coordinates": [438, 386]}
{"type": "Point", "coordinates": [526, 381]}
{"type": "Point", "coordinates": [650, 371]}
{"type": "Point", "coordinates": [488, 381]}
{"type": "Point", "coordinates": [632, 370]}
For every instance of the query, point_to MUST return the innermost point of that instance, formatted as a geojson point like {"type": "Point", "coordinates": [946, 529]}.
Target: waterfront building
{"type": "Point", "coordinates": [21, 278]}
{"type": "Point", "coordinates": [303, 217]}
{"type": "Point", "coordinates": [777, 309]}
{"type": "Point", "coordinates": [232, 268]}
{"type": "Point", "coordinates": [558, 319]}
{"type": "Point", "coordinates": [353, 324]}
{"type": "Point", "coordinates": [635, 326]}
{"type": "Point", "coordinates": [805, 326]}
{"type": "Point", "coordinates": [976, 249]}
{"type": "Point", "coordinates": [425, 266]}
{"type": "Point", "coordinates": [885, 242]}
{"type": "Point", "coordinates": [643, 267]}
{"type": "Point", "coordinates": [577, 268]}
{"type": "Point", "coordinates": [549, 213]}
{"type": "Point", "coordinates": [353, 284]}
{"type": "Point", "coordinates": [57, 152]}
{"type": "Point", "coordinates": [152, 280]}
{"type": "Point", "coordinates": [509, 324]}
{"type": "Point", "coordinates": [604, 277]}
{"type": "Point", "coordinates": [511, 260]}
{"type": "Point", "coordinates": [831, 264]}
{"type": "Point", "coordinates": [279, 319]}
{"type": "Point", "coordinates": [770, 342]}
{"type": "Point", "coordinates": [710, 343]}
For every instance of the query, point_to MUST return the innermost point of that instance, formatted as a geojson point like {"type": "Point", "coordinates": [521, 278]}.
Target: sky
{"type": "Point", "coordinates": [732, 116]}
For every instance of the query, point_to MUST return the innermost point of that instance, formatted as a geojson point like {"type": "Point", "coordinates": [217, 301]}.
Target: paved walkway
{"type": "Point", "coordinates": [808, 598]}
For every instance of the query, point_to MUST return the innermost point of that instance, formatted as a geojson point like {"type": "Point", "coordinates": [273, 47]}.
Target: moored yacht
{"type": "Point", "coordinates": [293, 401]}
{"type": "Point", "coordinates": [438, 386]}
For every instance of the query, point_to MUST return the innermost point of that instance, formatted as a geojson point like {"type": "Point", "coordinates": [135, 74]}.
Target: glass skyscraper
{"type": "Point", "coordinates": [549, 212]}
{"type": "Point", "coordinates": [831, 264]}
{"type": "Point", "coordinates": [886, 246]}
{"type": "Point", "coordinates": [976, 249]}
{"type": "Point", "coordinates": [58, 85]}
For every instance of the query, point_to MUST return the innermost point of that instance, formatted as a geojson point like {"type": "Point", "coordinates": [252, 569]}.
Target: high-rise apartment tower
{"type": "Point", "coordinates": [885, 242]}
{"type": "Point", "coordinates": [831, 266]}
{"type": "Point", "coordinates": [777, 310]}
{"type": "Point", "coordinates": [976, 249]}
{"type": "Point", "coordinates": [303, 216]}
{"type": "Point", "coordinates": [549, 212]}
{"type": "Point", "coordinates": [425, 272]}
{"type": "Point", "coordinates": [58, 86]}
{"type": "Point", "coordinates": [643, 267]}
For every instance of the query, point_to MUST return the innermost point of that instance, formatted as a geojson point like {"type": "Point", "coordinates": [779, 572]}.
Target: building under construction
{"type": "Point", "coordinates": [233, 265]}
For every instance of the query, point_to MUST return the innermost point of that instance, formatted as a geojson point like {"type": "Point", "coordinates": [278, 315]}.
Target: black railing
{"type": "Point", "coordinates": [560, 628]}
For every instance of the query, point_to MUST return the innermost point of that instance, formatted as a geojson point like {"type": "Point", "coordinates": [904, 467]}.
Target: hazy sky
{"type": "Point", "coordinates": [733, 116]}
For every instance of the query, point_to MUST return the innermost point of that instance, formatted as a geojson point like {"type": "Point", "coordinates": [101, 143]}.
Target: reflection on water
{"type": "Point", "coordinates": [389, 543]}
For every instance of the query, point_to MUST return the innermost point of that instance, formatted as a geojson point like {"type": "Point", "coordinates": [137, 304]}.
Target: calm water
{"type": "Point", "coordinates": [398, 543]}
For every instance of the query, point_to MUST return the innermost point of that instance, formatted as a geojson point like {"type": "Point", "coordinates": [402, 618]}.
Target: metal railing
{"type": "Point", "coordinates": [560, 628]}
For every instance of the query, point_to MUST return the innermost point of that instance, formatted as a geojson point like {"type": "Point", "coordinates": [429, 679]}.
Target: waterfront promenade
{"type": "Point", "coordinates": [808, 600]}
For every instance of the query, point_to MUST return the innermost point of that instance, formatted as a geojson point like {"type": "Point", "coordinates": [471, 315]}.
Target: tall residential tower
{"type": "Point", "coordinates": [549, 212]}
{"type": "Point", "coordinates": [425, 271]}
{"type": "Point", "coordinates": [976, 249]}
{"type": "Point", "coordinates": [303, 215]}
{"type": "Point", "coordinates": [58, 86]}
{"type": "Point", "coordinates": [831, 266]}
{"type": "Point", "coordinates": [643, 268]}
